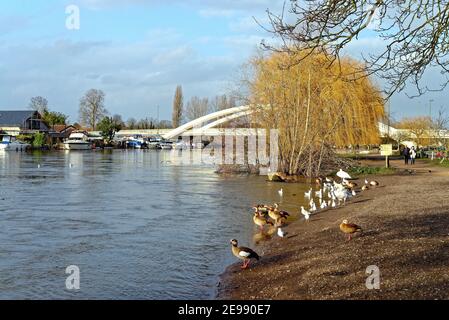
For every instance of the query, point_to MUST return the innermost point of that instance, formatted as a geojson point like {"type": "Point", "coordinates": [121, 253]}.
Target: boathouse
{"type": "Point", "coordinates": [21, 122]}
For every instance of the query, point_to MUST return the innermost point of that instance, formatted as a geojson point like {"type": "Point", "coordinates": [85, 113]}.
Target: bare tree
{"type": "Point", "coordinates": [440, 126]}
{"type": "Point", "coordinates": [117, 120]}
{"type": "Point", "coordinates": [131, 123]}
{"type": "Point", "coordinates": [92, 108]}
{"type": "Point", "coordinates": [178, 104]}
{"type": "Point", "coordinates": [197, 107]}
{"type": "Point", "coordinates": [39, 104]}
{"type": "Point", "coordinates": [414, 34]}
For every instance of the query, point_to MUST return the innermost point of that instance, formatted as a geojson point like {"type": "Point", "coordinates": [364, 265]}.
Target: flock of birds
{"type": "Point", "coordinates": [331, 194]}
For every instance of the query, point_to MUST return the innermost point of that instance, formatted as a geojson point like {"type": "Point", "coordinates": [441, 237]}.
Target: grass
{"type": "Point", "coordinates": [437, 162]}
{"type": "Point", "coordinates": [358, 171]}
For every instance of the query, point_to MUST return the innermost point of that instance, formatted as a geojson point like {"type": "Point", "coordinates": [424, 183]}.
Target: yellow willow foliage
{"type": "Point", "coordinates": [312, 104]}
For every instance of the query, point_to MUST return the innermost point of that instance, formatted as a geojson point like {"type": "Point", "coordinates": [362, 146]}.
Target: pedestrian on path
{"type": "Point", "coordinates": [406, 153]}
{"type": "Point", "coordinates": [412, 155]}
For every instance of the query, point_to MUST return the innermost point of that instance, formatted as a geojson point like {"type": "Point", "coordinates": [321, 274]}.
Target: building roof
{"type": "Point", "coordinates": [15, 118]}
{"type": "Point", "coordinates": [59, 128]}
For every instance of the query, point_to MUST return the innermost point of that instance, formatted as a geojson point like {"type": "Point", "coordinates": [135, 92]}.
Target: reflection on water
{"type": "Point", "coordinates": [136, 226]}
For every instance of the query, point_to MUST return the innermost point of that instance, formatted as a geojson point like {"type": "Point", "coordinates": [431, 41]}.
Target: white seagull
{"type": "Point", "coordinates": [344, 175]}
{"type": "Point", "coordinates": [323, 205]}
{"type": "Point", "coordinates": [281, 233]}
{"type": "Point", "coordinates": [305, 213]}
{"type": "Point", "coordinates": [308, 194]}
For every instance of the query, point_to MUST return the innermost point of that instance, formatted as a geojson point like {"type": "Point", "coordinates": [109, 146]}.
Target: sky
{"type": "Point", "coordinates": [138, 51]}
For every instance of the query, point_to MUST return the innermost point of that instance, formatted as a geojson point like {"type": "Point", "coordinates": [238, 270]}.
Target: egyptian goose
{"type": "Point", "coordinates": [351, 184]}
{"type": "Point", "coordinates": [276, 215]}
{"type": "Point", "coordinates": [246, 254]}
{"type": "Point", "coordinates": [374, 183]}
{"type": "Point", "coordinates": [349, 228]}
{"type": "Point", "coordinates": [260, 221]}
{"type": "Point", "coordinates": [365, 187]}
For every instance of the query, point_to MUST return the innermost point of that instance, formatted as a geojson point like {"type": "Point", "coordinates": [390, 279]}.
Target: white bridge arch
{"type": "Point", "coordinates": [220, 116]}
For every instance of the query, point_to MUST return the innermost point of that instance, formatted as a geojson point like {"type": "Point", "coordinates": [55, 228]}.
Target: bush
{"type": "Point", "coordinates": [38, 140]}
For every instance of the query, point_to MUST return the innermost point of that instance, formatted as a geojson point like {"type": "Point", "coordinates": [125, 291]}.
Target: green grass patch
{"type": "Point", "coordinates": [437, 162]}
{"type": "Point", "coordinates": [358, 171]}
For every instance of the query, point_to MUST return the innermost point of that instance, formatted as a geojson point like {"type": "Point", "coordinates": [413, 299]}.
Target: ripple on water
{"type": "Point", "coordinates": [137, 229]}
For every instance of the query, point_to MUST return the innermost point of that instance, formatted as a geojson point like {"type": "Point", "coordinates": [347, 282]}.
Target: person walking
{"type": "Point", "coordinates": [406, 153]}
{"type": "Point", "coordinates": [412, 155]}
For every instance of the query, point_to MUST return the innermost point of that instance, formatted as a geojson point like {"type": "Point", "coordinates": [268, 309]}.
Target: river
{"type": "Point", "coordinates": [136, 226]}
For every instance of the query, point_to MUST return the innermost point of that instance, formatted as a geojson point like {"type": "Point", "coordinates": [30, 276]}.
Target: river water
{"type": "Point", "coordinates": [136, 226]}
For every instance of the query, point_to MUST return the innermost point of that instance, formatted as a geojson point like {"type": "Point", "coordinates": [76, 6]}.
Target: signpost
{"type": "Point", "coordinates": [386, 150]}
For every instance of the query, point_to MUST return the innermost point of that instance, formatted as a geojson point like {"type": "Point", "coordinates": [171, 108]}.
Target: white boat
{"type": "Point", "coordinates": [77, 141]}
{"type": "Point", "coordinates": [10, 144]}
{"type": "Point", "coordinates": [165, 145]}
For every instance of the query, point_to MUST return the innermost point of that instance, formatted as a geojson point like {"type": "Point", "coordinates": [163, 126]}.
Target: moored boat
{"type": "Point", "coordinates": [78, 141]}
{"type": "Point", "coordinates": [9, 143]}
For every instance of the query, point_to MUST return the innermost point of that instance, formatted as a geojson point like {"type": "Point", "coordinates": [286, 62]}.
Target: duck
{"type": "Point", "coordinates": [70, 165]}
{"type": "Point", "coordinates": [305, 213]}
{"type": "Point", "coordinates": [365, 187]}
{"type": "Point", "coordinates": [281, 192]}
{"type": "Point", "coordinates": [260, 220]}
{"type": "Point", "coordinates": [343, 174]}
{"type": "Point", "coordinates": [281, 233]}
{"type": "Point", "coordinates": [319, 181]}
{"type": "Point", "coordinates": [243, 253]}
{"type": "Point", "coordinates": [349, 228]}
{"type": "Point", "coordinates": [374, 183]}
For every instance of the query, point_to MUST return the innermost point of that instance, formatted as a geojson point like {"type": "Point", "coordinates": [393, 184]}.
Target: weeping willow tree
{"type": "Point", "coordinates": [314, 107]}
